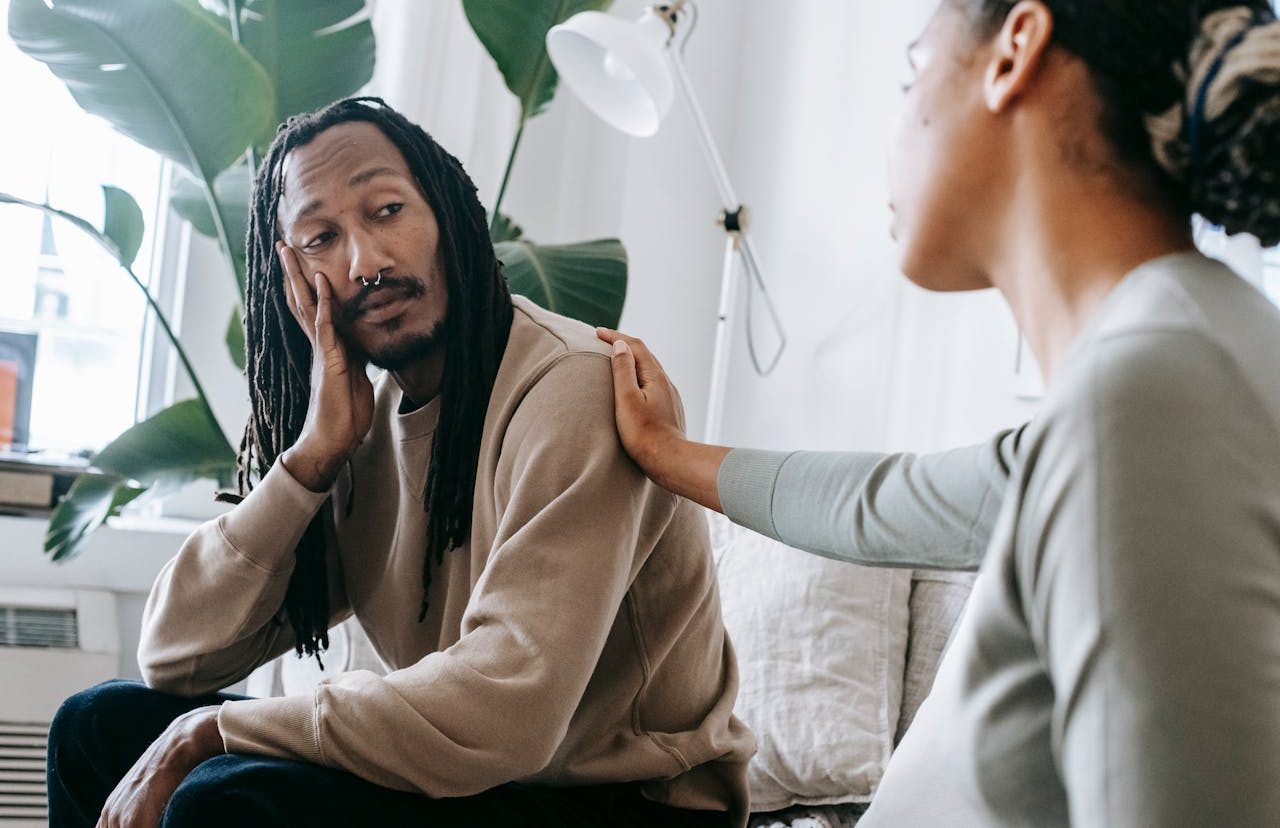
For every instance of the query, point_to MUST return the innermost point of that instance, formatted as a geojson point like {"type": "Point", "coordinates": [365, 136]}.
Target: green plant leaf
{"type": "Point", "coordinates": [505, 229]}
{"type": "Point", "coordinates": [92, 499]}
{"type": "Point", "coordinates": [176, 445]}
{"type": "Point", "coordinates": [586, 281]}
{"type": "Point", "coordinates": [123, 224]}
{"type": "Point", "coordinates": [163, 72]}
{"type": "Point", "coordinates": [315, 51]}
{"type": "Point", "coordinates": [231, 189]}
{"type": "Point", "coordinates": [235, 338]}
{"type": "Point", "coordinates": [515, 33]}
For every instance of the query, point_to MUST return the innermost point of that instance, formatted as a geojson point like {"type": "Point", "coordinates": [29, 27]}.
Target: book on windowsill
{"type": "Point", "coordinates": [32, 482]}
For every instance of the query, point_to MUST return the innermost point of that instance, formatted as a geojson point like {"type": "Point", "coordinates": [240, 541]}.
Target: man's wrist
{"type": "Point", "coordinates": [315, 471]}
{"type": "Point", "coordinates": [201, 737]}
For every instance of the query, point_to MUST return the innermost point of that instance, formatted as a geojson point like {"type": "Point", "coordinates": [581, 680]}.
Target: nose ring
{"type": "Point", "coordinates": [376, 281]}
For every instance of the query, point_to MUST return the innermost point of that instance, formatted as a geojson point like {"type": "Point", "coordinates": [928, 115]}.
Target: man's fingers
{"type": "Point", "coordinates": [297, 291]}
{"type": "Point", "coordinates": [325, 337]}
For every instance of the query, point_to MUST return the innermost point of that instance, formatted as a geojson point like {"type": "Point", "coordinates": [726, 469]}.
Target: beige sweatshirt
{"type": "Point", "coordinates": [577, 639]}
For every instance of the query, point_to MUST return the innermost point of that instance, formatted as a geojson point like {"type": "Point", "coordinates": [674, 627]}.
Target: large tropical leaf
{"type": "Point", "coordinates": [231, 193]}
{"type": "Point", "coordinates": [92, 499]}
{"type": "Point", "coordinates": [163, 72]}
{"type": "Point", "coordinates": [174, 446]}
{"type": "Point", "coordinates": [504, 228]}
{"type": "Point", "coordinates": [234, 338]}
{"type": "Point", "coordinates": [122, 230]}
{"type": "Point", "coordinates": [515, 34]}
{"type": "Point", "coordinates": [123, 224]}
{"type": "Point", "coordinates": [586, 281]}
{"type": "Point", "coordinates": [315, 51]}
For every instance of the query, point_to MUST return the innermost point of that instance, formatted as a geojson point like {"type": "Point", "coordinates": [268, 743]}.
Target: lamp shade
{"type": "Point", "coordinates": [616, 67]}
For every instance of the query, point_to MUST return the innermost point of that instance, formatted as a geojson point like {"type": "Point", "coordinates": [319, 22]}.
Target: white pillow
{"type": "Point", "coordinates": [821, 649]}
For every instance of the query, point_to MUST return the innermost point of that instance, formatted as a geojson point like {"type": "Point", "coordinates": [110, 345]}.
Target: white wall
{"type": "Point", "coordinates": [874, 363]}
{"type": "Point", "coordinates": [576, 178]}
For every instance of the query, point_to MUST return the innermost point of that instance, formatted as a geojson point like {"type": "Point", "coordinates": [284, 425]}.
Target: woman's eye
{"type": "Point", "coordinates": [391, 209]}
{"type": "Point", "coordinates": [317, 241]}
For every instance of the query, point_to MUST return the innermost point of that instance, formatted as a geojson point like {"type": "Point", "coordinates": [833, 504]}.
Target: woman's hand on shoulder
{"type": "Point", "coordinates": [650, 417]}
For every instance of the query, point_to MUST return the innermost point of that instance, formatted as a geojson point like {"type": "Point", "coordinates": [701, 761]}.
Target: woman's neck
{"type": "Point", "coordinates": [1065, 249]}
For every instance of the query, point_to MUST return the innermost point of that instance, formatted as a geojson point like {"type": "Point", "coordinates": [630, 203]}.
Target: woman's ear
{"type": "Point", "coordinates": [1018, 53]}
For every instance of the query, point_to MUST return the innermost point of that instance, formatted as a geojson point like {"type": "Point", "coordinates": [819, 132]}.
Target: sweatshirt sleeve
{"type": "Point", "coordinates": [1149, 570]}
{"type": "Point", "coordinates": [576, 521]}
{"type": "Point", "coordinates": [211, 617]}
{"type": "Point", "coordinates": [933, 511]}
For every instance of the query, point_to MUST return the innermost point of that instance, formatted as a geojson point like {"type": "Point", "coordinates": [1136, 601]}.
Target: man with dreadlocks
{"type": "Point", "coordinates": [549, 618]}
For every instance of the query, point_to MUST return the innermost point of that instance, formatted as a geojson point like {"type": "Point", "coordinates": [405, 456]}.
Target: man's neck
{"type": "Point", "coordinates": [420, 382]}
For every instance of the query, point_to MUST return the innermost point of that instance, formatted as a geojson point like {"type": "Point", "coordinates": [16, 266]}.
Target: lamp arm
{"type": "Point", "coordinates": [719, 172]}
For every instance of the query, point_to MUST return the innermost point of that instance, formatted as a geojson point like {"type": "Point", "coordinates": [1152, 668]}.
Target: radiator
{"type": "Point", "coordinates": [53, 643]}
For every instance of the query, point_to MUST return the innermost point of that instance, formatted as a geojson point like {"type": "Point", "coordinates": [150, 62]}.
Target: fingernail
{"type": "Point", "coordinates": [619, 347]}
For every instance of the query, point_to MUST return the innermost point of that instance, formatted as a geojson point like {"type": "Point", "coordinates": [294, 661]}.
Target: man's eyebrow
{"type": "Point", "coordinates": [365, 175]}
{"type": "Point", "coordinates": [355, 181]}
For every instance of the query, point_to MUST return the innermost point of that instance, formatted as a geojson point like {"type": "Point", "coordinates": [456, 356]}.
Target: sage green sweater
{"type": "Point", "coordinates": [1118, 663]}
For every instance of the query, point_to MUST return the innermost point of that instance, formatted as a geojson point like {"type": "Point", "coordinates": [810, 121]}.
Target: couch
{"type": "Point", "coordinates": [915, 620]}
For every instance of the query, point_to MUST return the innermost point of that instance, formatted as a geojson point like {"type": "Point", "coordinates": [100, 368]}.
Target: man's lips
{"type": "Point", "coordinates": [383, 305]}
{"type": "Point", "coordinates": [383, 301]}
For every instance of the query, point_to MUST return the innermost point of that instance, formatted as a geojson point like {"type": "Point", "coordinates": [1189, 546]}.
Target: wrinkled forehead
{"type": "Point", "coordinates": [338, 160]}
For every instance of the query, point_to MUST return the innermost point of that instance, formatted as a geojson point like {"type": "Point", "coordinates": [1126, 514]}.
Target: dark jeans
{"type": "Point", "coordinates": [98, 735]}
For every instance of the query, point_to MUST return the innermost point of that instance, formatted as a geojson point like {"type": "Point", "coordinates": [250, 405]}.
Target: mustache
{"type": "Point", "coordinates": [410, 286]}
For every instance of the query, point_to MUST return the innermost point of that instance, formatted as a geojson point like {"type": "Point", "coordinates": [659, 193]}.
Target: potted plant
{"type": "Point", "coordinates": [204, 85]}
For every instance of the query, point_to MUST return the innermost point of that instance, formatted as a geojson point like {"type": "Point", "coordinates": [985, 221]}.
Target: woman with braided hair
{"type": "Point", "coordinates": [1118, 663]}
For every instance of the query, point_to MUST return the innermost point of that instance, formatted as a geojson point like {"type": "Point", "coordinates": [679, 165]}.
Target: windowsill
{"type": "Point", "coordinates": [123, 556]}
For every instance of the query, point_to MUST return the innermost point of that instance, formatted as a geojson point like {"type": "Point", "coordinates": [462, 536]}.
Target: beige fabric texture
{"type": "Point", "coordinates": [576, 640]}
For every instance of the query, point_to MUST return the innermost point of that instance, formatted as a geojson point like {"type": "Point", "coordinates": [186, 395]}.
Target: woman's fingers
{"type": "Point", "coordinates": [645, 366]}
{"type": "Point", "coordinates": [624, 370]}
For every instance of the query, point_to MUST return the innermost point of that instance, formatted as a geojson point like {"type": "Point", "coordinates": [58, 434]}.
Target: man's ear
{"type": "Point", "coordinates": [1018, 53]}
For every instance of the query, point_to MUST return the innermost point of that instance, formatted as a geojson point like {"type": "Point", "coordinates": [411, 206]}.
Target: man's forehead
{"type": "Point", "coordinates": [341, 157]}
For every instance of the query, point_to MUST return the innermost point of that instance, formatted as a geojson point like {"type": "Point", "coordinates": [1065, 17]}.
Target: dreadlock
{"type": "Point", "coordinates": [278, 353]}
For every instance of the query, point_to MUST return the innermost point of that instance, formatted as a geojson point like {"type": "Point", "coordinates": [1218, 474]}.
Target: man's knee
{"type": "Point", "coordinates": [228, 790]}
{"type": "Point", "coordinates": [87, 717]}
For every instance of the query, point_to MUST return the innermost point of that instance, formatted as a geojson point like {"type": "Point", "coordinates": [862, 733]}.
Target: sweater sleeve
{"type": "Point", "coordinates": [1149, 569]}
{"type": "Point", "coordinates": [576, 521]}
{"type": "Point", "coordinates": [211, 617]}
{"type": "Point", "coordinates": [932, 511]}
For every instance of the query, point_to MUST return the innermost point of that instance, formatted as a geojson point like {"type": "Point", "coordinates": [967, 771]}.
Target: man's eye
{"type": "Point", "coordinates": [391, 209]}
{"type": "Point", "coordinates": [317, 241]}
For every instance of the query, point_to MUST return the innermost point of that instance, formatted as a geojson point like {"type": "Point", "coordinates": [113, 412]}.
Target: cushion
{"type": "Point", "coordinates": [937, 599]}
{"type": "Point", "coordinates": [821, 649]}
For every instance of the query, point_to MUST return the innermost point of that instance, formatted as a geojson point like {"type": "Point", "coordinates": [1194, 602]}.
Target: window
{"type": "Point", "coordinates": [60, 290]}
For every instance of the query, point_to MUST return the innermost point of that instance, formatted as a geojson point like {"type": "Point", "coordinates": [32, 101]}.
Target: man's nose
{"type": "Point", "coordinates": [368, 260]}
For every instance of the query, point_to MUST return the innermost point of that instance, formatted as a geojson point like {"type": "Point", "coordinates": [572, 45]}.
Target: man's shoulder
{"type": "Point", "coordinates": [545, 347]}
{"type": "Point", "coordinates": [550, 334]}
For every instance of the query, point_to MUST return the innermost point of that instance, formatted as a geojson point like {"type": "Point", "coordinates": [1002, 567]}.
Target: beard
{"type": "Point", "coordinates": [407, 350]}
{"type": "Point", "coordinates": [400, 355]}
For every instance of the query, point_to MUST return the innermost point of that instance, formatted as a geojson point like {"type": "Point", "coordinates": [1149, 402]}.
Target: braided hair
{"type": "Point", "coordinates": [1190, 93]}
{"type": "Point", "coordinates": [278, 353]}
